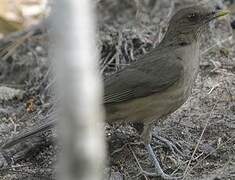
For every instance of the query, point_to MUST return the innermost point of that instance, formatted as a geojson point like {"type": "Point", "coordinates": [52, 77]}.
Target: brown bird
{"type": "Point", "coordinates": [159, 82]}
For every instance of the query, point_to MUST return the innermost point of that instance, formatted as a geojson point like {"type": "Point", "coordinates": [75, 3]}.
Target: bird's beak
{"type": "Point", "coordinates": [220, 13]}
{"type": "Point", "coordinates": [216, 15]}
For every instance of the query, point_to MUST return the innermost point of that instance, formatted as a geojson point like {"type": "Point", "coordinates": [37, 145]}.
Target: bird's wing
{"type": "Point", "coordinates": [144, 77]}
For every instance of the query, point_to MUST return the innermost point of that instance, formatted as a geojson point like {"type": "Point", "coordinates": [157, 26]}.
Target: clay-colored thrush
{"type": "Point", "coordinates": [161, 81]}
{"type": "Point", "coordinates": [158, 83]}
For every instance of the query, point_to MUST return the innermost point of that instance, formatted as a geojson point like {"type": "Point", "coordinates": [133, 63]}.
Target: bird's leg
{"type": "Point", "coordinates": [146, 130]}
{"type": "Point", "coordinates": [175, 150]}
{"type": "Point", "coordinates": [147, 136]}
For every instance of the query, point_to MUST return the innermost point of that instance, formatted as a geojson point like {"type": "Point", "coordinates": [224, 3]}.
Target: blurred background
{"type": "Point", "coordinates": [16, 15]}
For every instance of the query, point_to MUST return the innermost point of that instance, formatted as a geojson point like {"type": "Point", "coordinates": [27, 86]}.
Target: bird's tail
{"type": "Point", "coordinates": [28, 134]}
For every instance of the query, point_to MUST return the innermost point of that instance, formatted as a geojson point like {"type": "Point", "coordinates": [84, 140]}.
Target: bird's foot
{"type": "Point", "coordinates": [176, 149]}
{"type": "Point", "coordinates": [159, 171]}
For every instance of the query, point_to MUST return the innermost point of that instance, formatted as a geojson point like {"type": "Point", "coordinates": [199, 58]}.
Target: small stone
{"type": "Point", "coordinates": [39, 49]}
{"type": "Point", "coordinates": [30, 54]}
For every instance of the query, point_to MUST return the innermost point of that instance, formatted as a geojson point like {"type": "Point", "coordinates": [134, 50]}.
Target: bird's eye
{"type": "Point", "coordinates": [193, 17]}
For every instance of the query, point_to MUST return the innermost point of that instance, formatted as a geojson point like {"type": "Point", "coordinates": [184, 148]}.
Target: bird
{"type": "Point", "coordinates": [161, 81]}
{"type": "Point", "coordinates": [156, 84]}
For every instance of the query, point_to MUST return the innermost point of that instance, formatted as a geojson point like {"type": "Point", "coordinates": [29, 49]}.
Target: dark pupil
{"type": "Point", "coordinates": [193, 17]}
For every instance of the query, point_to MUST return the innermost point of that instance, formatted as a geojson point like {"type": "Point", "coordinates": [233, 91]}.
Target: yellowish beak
{"type": "Point", "coordinates": [221, 13]}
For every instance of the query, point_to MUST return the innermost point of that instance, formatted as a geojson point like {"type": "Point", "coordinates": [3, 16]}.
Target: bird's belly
{"type": "Point", "coordinates": [150, 108]}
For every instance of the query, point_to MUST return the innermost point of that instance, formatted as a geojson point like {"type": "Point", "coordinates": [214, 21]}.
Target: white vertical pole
{"type": "Point", "coordinates": [80, 89]}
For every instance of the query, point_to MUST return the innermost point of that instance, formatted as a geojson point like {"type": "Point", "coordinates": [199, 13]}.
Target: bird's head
{"type": "Point", "coordinates": [191, 20]}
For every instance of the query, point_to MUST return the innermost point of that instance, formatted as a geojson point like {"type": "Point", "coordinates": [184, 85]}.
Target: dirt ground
{"type": "Point", "coordinates": [203, 128]}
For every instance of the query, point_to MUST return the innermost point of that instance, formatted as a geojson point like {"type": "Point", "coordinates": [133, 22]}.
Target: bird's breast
{"type": "Point", "coordinates": [190, 61]}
